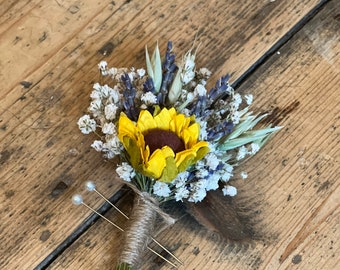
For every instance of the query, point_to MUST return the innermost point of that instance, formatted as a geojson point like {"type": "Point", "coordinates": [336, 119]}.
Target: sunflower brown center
{"type": "Point", "coordinates": [158, 138]}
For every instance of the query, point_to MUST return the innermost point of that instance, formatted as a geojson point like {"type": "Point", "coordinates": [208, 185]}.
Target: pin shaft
{"type": "Point", "coordinates": [168, 251]}
{"type": "Point", "coordinates": [162, 257]}
{"type": "Point", "coordinates": [107, 200]}
{"type": "Point", "coordinates": [119, 228]}
{"type": "Point", "coordinates": [153, 239]}
{"type": "Point", "coordinates": [106, 219]}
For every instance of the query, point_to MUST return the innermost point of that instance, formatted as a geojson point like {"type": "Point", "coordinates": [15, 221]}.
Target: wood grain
{"type": "Point", "coordinates": [291, 198]}
{"type": "Point", "coordinates": [48, 56]}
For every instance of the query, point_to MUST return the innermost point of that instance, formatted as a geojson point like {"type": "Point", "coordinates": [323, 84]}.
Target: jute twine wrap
{"type": "Point", "coordinates": [145, 214]}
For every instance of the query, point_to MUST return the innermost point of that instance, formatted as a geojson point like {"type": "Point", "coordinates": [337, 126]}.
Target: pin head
{"type": "Point", "coordinates": [77, 199]}
{"type": "Point", "coordinates": [90, 186]}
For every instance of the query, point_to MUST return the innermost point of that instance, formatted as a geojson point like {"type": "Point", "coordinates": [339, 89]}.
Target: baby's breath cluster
{"type": "Point", "coordinates": [172, 96]}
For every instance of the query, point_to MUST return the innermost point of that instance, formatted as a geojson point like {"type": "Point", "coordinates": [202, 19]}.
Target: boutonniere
{"type": "Point", "coordinates": [175, 139]}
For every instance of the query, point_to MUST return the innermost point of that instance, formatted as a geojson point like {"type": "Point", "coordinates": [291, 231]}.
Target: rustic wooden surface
{"type": "Point", "coordinates": [48, 56]}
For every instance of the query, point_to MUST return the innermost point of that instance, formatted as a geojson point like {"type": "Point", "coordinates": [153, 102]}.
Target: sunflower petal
{"type": "Point", "coordinates": [170, 171]}
{"type": "Point", "coordinates": [201, 149]}
{"type": "Point", "coordinates": [133, 151]}
{"type": "Point", "coordinates": [190, 135]}
{"type": "Point", "coordinates": [179, 123]}
{"type": "Point", "coordinates": [163, 119]}
{"type": "Point", "coordinates": [146, 121]}
{"type": "Point", "coordinates": [184, 159]}
{"type": "Point", "coordinates": [157, 162]}
{"type": "Point", "coordinates": [126, 127]}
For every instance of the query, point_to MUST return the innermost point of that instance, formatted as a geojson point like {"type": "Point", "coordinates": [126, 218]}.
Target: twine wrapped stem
{"type": "Point", "coordinates": [139, 234]}
{"type": "Point", "coordinates": [142, 229]}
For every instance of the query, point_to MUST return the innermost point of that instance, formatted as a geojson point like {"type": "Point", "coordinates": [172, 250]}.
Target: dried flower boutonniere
{"type": "Point", "coordinates": [175, 140]}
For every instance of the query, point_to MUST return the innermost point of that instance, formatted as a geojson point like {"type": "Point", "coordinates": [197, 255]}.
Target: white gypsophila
{"type": "Point", "coordinates": [212, 147]}
{"type": "Point", "coordinates": [203, 129]}
{"type": "Point", "coordinates": [197, 195]}
{"type": "Point", "coordinates": [244, 175]}
{"type": "Point", "coordinates": [109, 128]}
{"type": "Point", "coordinates": [141, 72]}
{"type": "Point", "coordinates": [97, 145]}
{"type": "Point", "coordinates": [118, 73]}
{"type": "Point", "coordinates": [192, 84]}
{"type": "Point", "coordinates": [242, 152]}
{"type": "Point", "coordinates": [212, 161]}
{"type": "Point", "coordinates": [112, 72]}
{"type": "Point", "coordinates": [103, 67]}
{"type": "Point", "coordinates": [212, 181]}
{"type": "Point", "coordinates": [205, 72]}
{"type": "Point", "coordinates": [203, 82]}
{"type": "Point", "coordinates": [229, 191]}
{"type": "Point", "coordinates": [181, 193]}
{"type": "Point", "coordinates": [95, 107]}
{"type": "Point", "coordinates": [200, 164]}
{"type": "Point", "coordinates": [98, 87]}
{"type": "Point", "coordinates": [108, 153]}
{"type": "Point", "coordinates": [180, 179]}
{"type": "Point", "coordinates": [190, 97]}
{"type": "Point", "coordinates": [254, 148]}
{"type": "Point", "coordinates": [115, 96]}
{"type": "Point", "coordinates": [237, 100]}
{"type": "Point", "coordinates": [110, 111]}
{"type": "Point", "coordinates": [86, 124]}
{"type": "Point", "coordinates": [225, 176]}
{"type": "Point", "coordinates": [200, 184]}
{"type": "Point", "coordinates": [249, 99]}
{"type": "Point", "coordinates": [106, 91]}
{"type": "Point", "coordinates": [161, 189]}
{"type": "Point", "coordinates": [235, 117]}
{"type": "Point", "coordinates": [228, 168]}
{"type": "Point", "coordinates": [226, 172]}
{"type": "Point", "coordinates": [113, 145]}
{"type": "Point", "coordinates": [200, 90]}
{"type": "Point", "coordinates": [202, 173]}
{"type": "Point", "coordinates": [96, 93]}
{"type": "Point", "coordinates": [149, 98]}
{"type": "Point", "coordinates": [126, 172]}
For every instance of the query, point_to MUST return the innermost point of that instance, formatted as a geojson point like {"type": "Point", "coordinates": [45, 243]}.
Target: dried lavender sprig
{"type": "Point", "coordinates": [221, 89]}
{"type": "Point", "coordinates": [169, 69]}
{"type": "Point", "coordinates": [149, 86]}
{"type": "Point", "coordinates": [220, 130]}
{"type": "Point", "coordinates": [129, 95]}
{"type": "Point", "coordinates": [200, 106]}
{"type": "Point", "coordinates": [169, 57]}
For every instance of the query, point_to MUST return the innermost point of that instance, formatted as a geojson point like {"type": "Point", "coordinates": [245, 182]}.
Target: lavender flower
{"type": "Point", "coordinates": [222, 89]}
{"type": "Point", "coordinates": [129, 98]}
{"type": "Point", "coordinates": [221, 129]}
{"type": "Point", "coordinates": [169, 69]}
{"type": "Point", "coordinates": [149, 86]}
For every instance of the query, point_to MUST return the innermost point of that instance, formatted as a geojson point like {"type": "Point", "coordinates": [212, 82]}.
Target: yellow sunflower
{"type": "Point", "coordinates": [163, 145]}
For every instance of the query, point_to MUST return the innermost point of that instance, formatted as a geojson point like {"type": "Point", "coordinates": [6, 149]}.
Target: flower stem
{"type": "Point", "coordinates": [123, 266]}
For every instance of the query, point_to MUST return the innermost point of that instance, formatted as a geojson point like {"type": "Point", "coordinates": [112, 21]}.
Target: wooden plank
{"type": "Point", "coordinates": [49, 51]}
{"type": "Point", "coordinates": [291, 199]}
